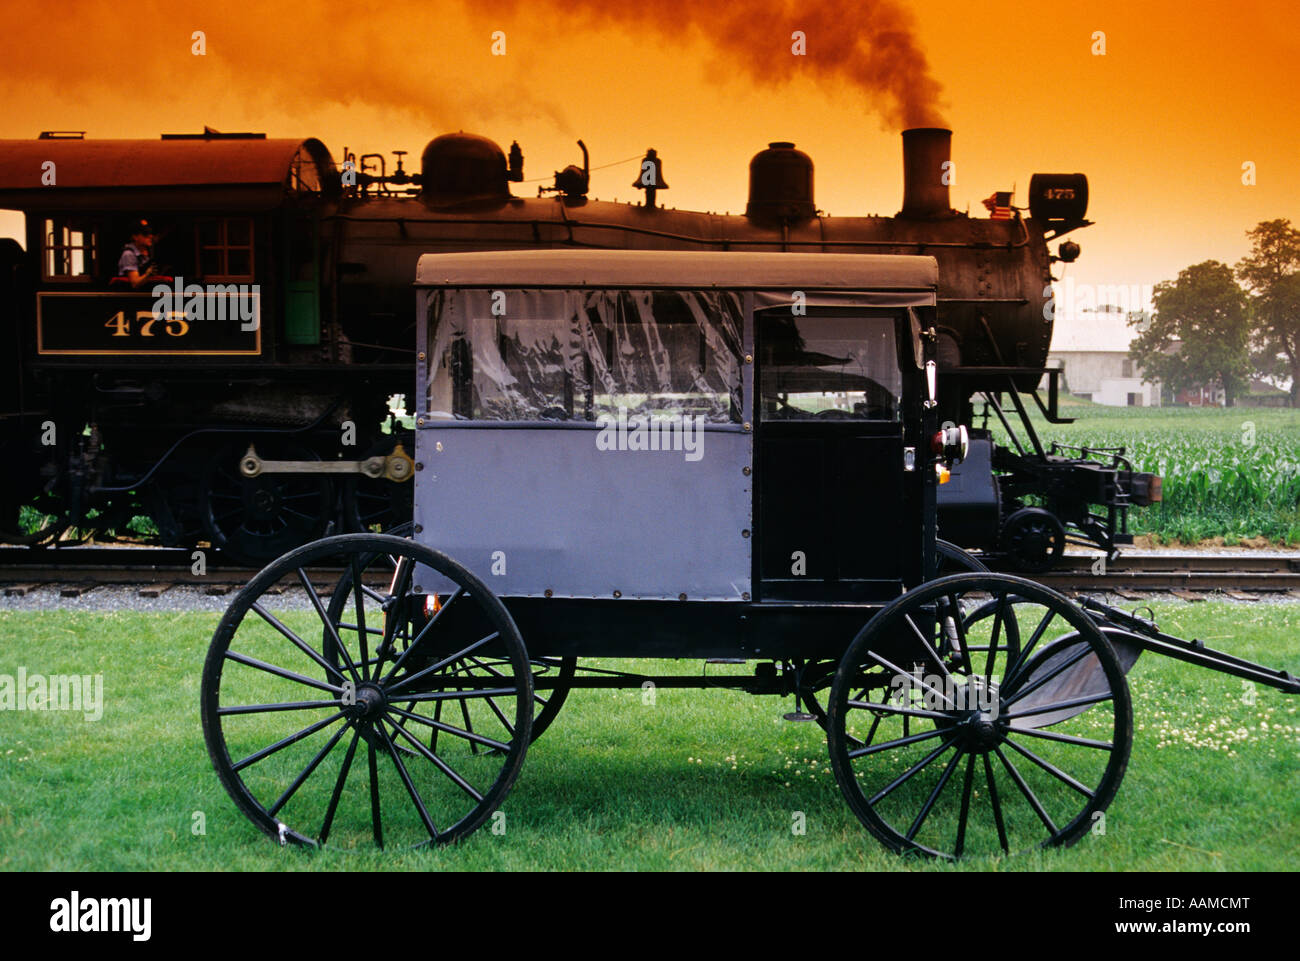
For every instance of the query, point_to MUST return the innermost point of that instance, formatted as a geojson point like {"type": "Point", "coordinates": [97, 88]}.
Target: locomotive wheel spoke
{"type": "Point", "coordinates": [894, 782]}
{"type": "Point", "coordinates": [434, 789]}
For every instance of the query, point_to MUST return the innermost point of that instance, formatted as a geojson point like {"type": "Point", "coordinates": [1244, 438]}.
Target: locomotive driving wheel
{"type": "Point", "coordinates": [256, 519]}
{"type": "Point", "coordinates": [1016, 751]}
{"type": "Point", "coordinates": [328, 725]}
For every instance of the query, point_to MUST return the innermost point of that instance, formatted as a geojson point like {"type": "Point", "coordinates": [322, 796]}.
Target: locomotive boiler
{"type": "Point", "coordinates": [255, 437]}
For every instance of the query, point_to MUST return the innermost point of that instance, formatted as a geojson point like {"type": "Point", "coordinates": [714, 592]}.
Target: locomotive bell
{"type": "Point", "coordinates": [651, 176]}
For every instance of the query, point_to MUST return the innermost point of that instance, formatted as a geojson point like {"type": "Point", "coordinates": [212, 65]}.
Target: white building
{"type": "Point", "coordinates": [1093, 350]}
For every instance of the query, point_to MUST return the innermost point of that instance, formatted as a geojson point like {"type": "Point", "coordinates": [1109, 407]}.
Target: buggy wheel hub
{"type": "Point", "coordinates": [981, 732]}
{"type": "Point", "coordinates": [369, 704]}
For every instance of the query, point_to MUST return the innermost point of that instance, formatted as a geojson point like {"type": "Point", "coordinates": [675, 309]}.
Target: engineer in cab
{"type": "Point", "coordinates": [135, 266]}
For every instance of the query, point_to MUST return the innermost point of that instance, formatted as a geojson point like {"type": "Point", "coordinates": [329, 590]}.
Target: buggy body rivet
{"type": "Point", "coordinates": [618, 593]}
{"type": "Point", "coordinates": [749, 358]}
{"type": "Point", "coordinates": [747, 471]}
{"type": "Point", "coordinates": [744, 533]}
{"type": "Point", "coordinates": [419, 465]}
{"type": "Point", "coordinates": [548, 592]}
{"type": "Point", "coordinates": [749, 426]}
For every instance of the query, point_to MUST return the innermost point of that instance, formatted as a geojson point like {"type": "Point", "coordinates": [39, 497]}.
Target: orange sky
{"type": "Point", "coordinates": [1161, 124]}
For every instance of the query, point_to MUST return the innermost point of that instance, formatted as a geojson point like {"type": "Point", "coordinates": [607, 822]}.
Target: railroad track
{"type": "Point", "coordinates": [154, 570]}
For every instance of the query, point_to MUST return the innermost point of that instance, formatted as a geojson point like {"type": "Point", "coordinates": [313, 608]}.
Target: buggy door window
{"type": "Point", "coordinates": [829, 367]}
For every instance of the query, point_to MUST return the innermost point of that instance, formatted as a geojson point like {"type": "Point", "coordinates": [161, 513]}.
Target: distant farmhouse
{"type": "Point", "coordinates": [1092, 348]}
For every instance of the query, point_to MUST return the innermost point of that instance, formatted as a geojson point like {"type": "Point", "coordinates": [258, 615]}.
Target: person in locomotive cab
{"type": "Point", "coordinates": [135, 265]}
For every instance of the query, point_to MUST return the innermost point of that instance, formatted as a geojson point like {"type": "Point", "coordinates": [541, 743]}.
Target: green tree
{"type": "Point", "coordinates": [1198, 333]}
{"type": "Point", "coordinates": [1271, 275]}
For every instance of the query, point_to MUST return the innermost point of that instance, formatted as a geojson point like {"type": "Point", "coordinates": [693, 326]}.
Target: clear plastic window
{"type": "Point", "coordinates": [824, 367]}
{"type": "Point", "coordinates": [572, 355]}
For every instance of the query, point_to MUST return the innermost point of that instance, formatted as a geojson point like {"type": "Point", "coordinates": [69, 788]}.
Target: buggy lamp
{"type": "Point", "coordinates": [942, 473]}
{"type": "Point", "coordinates": [952, 444]}
{"type": "Point", "coordinates": [431, 605]}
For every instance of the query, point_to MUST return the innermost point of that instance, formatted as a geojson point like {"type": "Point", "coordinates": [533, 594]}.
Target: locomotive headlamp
{"type": "Point", "coordinates": [1068, 252]}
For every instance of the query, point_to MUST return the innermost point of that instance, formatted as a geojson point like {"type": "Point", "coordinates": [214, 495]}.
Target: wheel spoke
{"type": "Point", "coordinates": [895, 709]}
{"type": "Point", "coordinates": [1012, 673]}
{"type": "Point", "coordinates": [306, 772]}
{"type": "Point", "coordinates": [282, 672]}
{"type": "Point", "coordinates": [450, 659]}
{"type": "Point", "coordinates": [1052, 770]}
{"type": "Point", "coordinates": [355, 565]}
{"type": "Point", "coordinates": [286, 706]}
{"type": "Point", "coordinates": [1059, 706]}
{"type": "Point", "coordinates": [912, 682]}
{"type": "Point", "coordinates": [997, 805]}
{"type": "Point", "coordinates": [965, 806]}
{"type": "Point", "coordinates": [1024, 789]}
{"type": "Point", "coordinates": [1065, 738]}
{"type": "Point", "coordinates": [910, 772]}
{"type": "Point", "coordinates": [443, 766]}
{"type": "Point", "coordinates": [999, 624]}
{"type": "Point", "coordinates": [298, 642]}
{"type": "Point", "coordinates": [428, 625]}
{"type": "Point", "coordinates": [899, 742]}
{"type": "Point", "coordinates": [934, 796]}
{"type": "Point", "coordinates": [376, 820]}
{"type": "Point", "coordinates": [927, 646]}
{"type": "Point", "coordinates": [401, 584]}
{"type": "Point", "coordinates": [285, 742]}
{"type": "Point", "coordinates": [338, 786]}
{"type": "Point", "coordinates": [329, 625]}
{"type": "Point", "coordinates": [406, 778]}
{"type": "Point", "coordinates": [439, 726]}
{"type": "Point", "coordinates": [1084, 650]}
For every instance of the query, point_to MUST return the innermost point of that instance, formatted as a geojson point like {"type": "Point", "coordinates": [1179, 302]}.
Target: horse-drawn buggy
{"type": "Point", "coordinates": [715, 456]}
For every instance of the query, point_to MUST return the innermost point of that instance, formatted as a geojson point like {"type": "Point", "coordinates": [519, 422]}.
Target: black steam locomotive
{"type": "Point", "coordinates": [247, 393]}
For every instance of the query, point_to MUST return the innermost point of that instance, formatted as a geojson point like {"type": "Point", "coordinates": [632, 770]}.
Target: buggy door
{"type": "Point", "coordinates": [834, 518]}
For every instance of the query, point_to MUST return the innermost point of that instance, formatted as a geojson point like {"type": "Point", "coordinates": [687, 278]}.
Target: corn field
{"type": "Point", "coordinates": [1232, 473]}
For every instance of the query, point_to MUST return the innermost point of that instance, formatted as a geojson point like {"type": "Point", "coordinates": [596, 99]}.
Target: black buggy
{"type": "Point", "coordinates": [672, 455]}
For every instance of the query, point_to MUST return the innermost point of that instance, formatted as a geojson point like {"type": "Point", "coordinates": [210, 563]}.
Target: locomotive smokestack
{"type": "Point", "coordinates": [926, 152]}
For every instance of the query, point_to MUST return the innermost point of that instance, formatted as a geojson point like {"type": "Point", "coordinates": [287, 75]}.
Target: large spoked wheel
{"type": "Point", "coordinates": [552, 676]}
{"type": "Point", "coordinates": [377, 717]}
{"type": "Point", "coordinates": [815, 678]}
{"type": "Point", "coordinates": [1004, 753]}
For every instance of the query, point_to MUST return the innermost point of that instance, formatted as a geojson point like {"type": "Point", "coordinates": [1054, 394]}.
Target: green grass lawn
{"type": "Point", "coordinates": [698, 781]}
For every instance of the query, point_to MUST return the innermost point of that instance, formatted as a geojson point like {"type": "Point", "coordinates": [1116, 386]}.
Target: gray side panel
{"type": "Point", "coordinates": [584, 522]}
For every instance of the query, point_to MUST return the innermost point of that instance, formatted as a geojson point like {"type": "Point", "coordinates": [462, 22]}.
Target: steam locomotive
{"type": "Point", "coordinates": [121, 401]}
